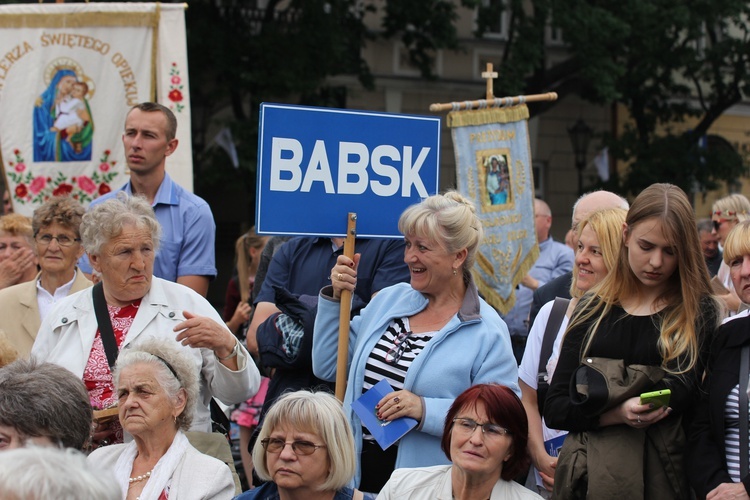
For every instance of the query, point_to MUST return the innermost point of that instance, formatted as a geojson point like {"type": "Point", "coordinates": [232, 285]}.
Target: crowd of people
{"type": "Point", "coordinates": [116, 374]}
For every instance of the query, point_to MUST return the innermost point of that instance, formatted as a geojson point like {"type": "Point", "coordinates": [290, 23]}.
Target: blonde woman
{"type": "Point", "coordinates": [305, 450]}
{"type": "Point", "coordinates": [726, 213]}
{"type": "Point", "coordinates": [716, 447]}
{"type": "Point", "coordinates": [598, 241]}
{"type": "Point", "coordinates": [652, 313]}
{"type": "Point", "coordinates": [432, 338]}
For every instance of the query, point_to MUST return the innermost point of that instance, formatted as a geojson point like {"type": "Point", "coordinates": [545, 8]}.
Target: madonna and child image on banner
{"type": "Point", "coordinates": [63, 126]}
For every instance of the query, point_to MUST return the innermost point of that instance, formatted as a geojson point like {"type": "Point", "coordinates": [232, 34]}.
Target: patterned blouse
{"type": "Point", "coordinates": [97, 376]}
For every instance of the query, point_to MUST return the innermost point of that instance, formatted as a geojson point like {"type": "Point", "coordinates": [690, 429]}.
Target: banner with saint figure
{"type": "Point", "coordinates": [69, 73]}
{"type": "Point", "coordinates": [493, 162]}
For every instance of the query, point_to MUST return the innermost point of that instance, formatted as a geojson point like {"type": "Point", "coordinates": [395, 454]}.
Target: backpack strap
{"type": "Point", "coordinates": [554, 321]}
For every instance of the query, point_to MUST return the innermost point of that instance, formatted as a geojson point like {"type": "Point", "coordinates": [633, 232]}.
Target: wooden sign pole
{"type": "Point", "coordinates": [346, 307]}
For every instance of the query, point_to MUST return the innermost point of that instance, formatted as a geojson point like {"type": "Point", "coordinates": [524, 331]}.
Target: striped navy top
{"type": "Point", "coordinates": [392, 356]}
{"type": "Point", "coordinates": [732, 434]}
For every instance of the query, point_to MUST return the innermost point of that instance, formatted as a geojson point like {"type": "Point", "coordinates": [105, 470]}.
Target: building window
{"type": "Point", "coordinates": [496, 20]}
{"type": "Point", "coordinates": [539, 169]}
{"type": "Point", "coordinates": [554, 35]}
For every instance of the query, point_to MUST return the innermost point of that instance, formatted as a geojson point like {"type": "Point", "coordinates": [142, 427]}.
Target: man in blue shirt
{"type": "Point", "coordinates": [186, 254]}
{"type": "Point", "coordinates": [554, 260]}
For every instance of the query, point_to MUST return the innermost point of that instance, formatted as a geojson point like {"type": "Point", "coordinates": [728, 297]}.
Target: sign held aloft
{"type": "Point", "coordinates": [315, 165]}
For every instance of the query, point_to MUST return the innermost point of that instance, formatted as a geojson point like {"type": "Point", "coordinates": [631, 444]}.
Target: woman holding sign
{"type": "Point", "coordinates": [644, 328]}
{"type": "Point", "coordinates": [430, 339]}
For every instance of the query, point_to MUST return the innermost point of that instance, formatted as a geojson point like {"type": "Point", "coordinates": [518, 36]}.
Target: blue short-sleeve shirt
{"type": "Point", "coordinates": [188, 232]}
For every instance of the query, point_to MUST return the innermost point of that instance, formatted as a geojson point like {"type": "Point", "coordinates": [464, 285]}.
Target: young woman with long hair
{"type": "Point", "coordinates": [646, 327]}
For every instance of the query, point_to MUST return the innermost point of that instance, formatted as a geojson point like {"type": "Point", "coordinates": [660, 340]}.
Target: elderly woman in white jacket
{"type": "Point", "coordinates": [156, 389]}
{"type": "Point", "coordinates": [121, 237]}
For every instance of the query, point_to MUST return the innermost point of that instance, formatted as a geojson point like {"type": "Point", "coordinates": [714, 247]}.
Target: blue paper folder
{"type": "Point", "coordinates": [385, 433]}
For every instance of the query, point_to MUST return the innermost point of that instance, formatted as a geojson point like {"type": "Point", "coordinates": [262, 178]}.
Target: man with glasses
{"type": "Point", "coordinates": [554, 259]}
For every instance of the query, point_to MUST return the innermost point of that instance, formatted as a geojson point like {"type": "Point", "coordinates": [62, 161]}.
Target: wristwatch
{"type": "Point", "coordinates": [232, 354]}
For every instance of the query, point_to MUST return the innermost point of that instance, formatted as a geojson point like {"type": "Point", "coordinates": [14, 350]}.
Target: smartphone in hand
{"type": "Point", "coordinates": [657, 398]}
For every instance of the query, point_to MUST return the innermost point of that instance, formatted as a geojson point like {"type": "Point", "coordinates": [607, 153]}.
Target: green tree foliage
{"type": "Point", "coordinates": [664, 60]}
{"type": "Point", "coordinates": [242, 55]}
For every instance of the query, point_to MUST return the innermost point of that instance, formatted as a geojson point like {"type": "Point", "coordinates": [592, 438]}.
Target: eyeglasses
{"type": "Point", "coordinates": [717, 223]}
{"type": "Point", "coordinates": [467, 427]}
{"type": "Point", "coordinates": [275, 445]}
{"type": "Point", "coordinates": [400, 346]}
{"type": "Point", "coordinates": [62, 239]}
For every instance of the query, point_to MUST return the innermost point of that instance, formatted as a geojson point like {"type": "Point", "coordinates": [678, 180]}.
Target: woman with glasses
{"type": "Point", "coordinates": [304, 450]}
{"type": "Point", "coordinates": [431, 339]}
{"type": "Point", "coordinates": [484, 436]}
{"type": "Point", "coordinates": [727, 212]}
{"type": "Point", "coordinates": [157, 393]}
{"type": "Point", "coordinates": [57, 244]}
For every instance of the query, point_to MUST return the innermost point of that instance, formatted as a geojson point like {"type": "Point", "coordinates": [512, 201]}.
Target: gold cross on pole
{"type": "Point", "coordinates": [489, 75]}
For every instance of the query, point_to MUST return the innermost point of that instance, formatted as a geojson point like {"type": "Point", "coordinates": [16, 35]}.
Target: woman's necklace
{"type": "Point", "coordinates": [141, 477]}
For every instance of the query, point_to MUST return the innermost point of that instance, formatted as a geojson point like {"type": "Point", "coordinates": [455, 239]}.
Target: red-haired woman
{"type": "Point", "coordinates": [485, 436]}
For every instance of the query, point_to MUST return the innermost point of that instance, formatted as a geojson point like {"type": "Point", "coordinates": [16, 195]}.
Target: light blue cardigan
{"type": "Point", "coordinates": [473, 348]}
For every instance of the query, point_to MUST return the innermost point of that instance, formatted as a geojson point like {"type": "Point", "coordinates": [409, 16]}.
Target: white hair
{"type": "Point", "coordinates": [40, 473]}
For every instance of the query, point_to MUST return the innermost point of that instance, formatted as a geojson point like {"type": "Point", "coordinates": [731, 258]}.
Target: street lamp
{"type": "Point", "coordinates": [580, 134]}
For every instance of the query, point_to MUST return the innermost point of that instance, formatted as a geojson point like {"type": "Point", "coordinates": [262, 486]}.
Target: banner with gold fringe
{"type": "Point", "coordinates": [69, 73]}
{"type": "Point", "coordinates": [493, 168]}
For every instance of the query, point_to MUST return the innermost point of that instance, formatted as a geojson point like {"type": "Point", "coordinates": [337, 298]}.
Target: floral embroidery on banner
{"type": "Point", "coordinates": [26, 187]}
{"type": "Point", "coordinates": [175, 89]}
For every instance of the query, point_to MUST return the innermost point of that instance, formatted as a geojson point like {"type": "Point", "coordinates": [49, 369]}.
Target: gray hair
{"type": "Point", "coordinates": [39, 473]}
{"type": "Point", "coordinates": [63, 210]}
{"type": "Point", "coordinates": [108, 219]}
{"type": "Point", "coordinates": [448, 219]}
{"type": "Point", "coordinates": [45, 400]}
{"type": "Point", "coordinates": [317, 413]}
{"type": "Point", "coordinates": [705, 225]}
{"type": "Point", "coordinates": [165, 356]}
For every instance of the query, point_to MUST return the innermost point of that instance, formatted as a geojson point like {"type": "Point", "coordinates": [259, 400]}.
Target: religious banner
{"type": "Point", "coordinates": [494, 170]}
{"type": "Point", "coordinates": [69, 73]}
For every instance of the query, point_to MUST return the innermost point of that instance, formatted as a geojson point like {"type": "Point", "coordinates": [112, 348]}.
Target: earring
{"type": "Point", "coordinates": [175, 419]}
{"type": "Point", "coordinates": [455, 272]}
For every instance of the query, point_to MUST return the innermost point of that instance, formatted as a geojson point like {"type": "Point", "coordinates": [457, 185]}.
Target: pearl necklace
{"type": "Point", "coordinates": [141, 477]}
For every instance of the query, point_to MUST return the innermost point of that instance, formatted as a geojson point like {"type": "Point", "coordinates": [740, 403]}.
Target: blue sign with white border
{"type": "Point", "coordinates": [315, 165]}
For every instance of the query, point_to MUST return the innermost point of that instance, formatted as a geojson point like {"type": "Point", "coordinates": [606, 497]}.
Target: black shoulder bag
{"type": "Point", "coordinates": [105, 325]}
{"type": "Point", "coordinates": [550, 333]}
